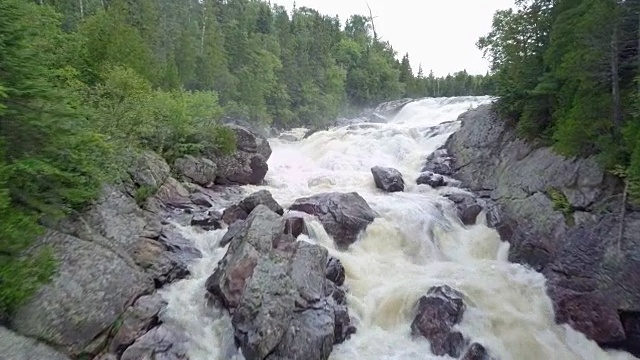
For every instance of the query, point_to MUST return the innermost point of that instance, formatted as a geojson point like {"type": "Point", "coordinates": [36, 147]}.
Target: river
{"type": "Point", "coordinates": [416, 243]}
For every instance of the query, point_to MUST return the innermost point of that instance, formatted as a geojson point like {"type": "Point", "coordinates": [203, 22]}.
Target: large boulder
{"type": "Point", "coordinates": [276, 292]}
{"type": "Point", "coordinates": [91, 288]}
{"type": "Point", "coordinates": [387, 179]}
{"type": "Point", "coordinates": [163, 342]}
{"type": "Point", "coordinates": [248, 164]}
{"type": "Point", "coordinates": [467, 206]}
{"type": "Point", "coordinates": [149, 169]}
{"type": "Point", "coordinates": [199, 170]}
{"type": "Point", "coordinates": [438, 312]}
{"type": "Point", "coordinates": [561, 217]}
{"type": "Point", "coordinates": [16, 347]}
{"type": "Point", "coordinates": [343, 215]}
{"type": "Point", "coordinates": [246, 206]}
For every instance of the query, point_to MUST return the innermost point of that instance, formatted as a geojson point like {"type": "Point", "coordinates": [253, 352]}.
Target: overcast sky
{"type": "Point", "coordinates": [440, 34]}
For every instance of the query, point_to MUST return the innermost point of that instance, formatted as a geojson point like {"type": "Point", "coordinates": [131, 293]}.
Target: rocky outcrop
{"type": "Point", "coordinates": [387, 179]}
{"type": "Point", "coordinates": [343, 215]}
{"type": "Point", "coordinates": [467, 207]}
{"type": "Point", "coordinates": [248, 164]}
{"type": "Point", "coordinates": [110, 260]}
{"type": "Point", "coordinates": [562, 217]}
{"type": "Point", "coordinates": [199, 170]}
{"type": "Point", "coordinates": [16, 347]}
{"type": "Point", "coordinates": [281, 304]}
{"type": "Point", "coordinates": [241, 210]}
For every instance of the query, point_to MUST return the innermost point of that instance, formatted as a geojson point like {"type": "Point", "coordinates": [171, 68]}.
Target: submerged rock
{"type": "Point", "coordinates": [387, 179]}
{"type": "Point", "coordinates": [431, 179]}
{"type": "Point", "coordinates": [438, 312]}
{"type": "Point", "coordinates": [335, 271]}
{"type": "Point", "coordinates": [343, 215]}
{"type": "Point", "coordinates": [276, 292]}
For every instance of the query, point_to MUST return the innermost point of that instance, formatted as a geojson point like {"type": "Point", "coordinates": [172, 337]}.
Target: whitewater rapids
{"type": "Point", "coordinates": [416, 243]}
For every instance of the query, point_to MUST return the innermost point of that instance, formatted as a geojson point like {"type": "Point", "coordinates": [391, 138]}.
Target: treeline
{"type": "Point", "coordinates": [566, 72]}
{"type": "Point", "coordinates": [459, 83]}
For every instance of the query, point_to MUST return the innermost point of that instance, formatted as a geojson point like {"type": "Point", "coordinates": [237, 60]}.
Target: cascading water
{"type": "Point", "coordinates": [416, 243]}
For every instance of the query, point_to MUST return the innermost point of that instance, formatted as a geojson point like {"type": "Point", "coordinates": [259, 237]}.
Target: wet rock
{"type": "Point", "coordinates": [207, 221]}
{"type": "Point", "coordinates": [233, 230]}
{"type": "Point", "coordinates": [343, 215]}
{"type": "Point", "coordinates": [335, 271]}
{"type": "Point", "coordinates": [467, 206]}
{"type": "Point", "coordinates": [276, 292]}
{"type": "Point", "coordinates": [431, 179]}
{"type": "Point", "coordinates": [233, 214]}
{"type": "Point", "coordinates": [438, 312]}
{"type": "Point", "coordinates": [136, 321]}
{"type": "Point", "coordinates": [476, 352]}
{"type": "Point", "coordinates": [171, 195]}
{"type": "Point", "coordinates": [16, 347]}
{"type": "Point", "coordinates": [157, 261]}
{"type": "Point", "coordinates": [387, 179]}
{"type": "Point", "coordinates": [439, 162]}
{"type": "Point", "coordinates": [288, 137]}
{"type": "Point", "coordinates": [160, 343]}
{"type": "Point", "coordinates": [149, 169]}
{"type": "Point", "coordinates": [246, 206]}
{"type": "Point", "coordinates": [250, 142]}
{"type": "Point", "coordinates": [262, 197]}
{"type": "Point", "coordinates": [295, 226]}
{"type": "Point", "coordinates": [201, 199]}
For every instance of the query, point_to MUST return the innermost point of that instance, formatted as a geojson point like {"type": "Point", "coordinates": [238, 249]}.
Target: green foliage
{"type": "Point", "coordinates": [143, 193]}
{"type": "Point", "coordinates": [560, 202]}
{"type": "Point", "coordinates": [566, 71]}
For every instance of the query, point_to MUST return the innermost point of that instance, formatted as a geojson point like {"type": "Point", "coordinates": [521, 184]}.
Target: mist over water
{"type": "Point", "coordinates": [416, 243]}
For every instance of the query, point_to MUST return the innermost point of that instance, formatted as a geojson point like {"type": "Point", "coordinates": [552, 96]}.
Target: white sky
{"type": "Point", "coordinates": [440, 34]}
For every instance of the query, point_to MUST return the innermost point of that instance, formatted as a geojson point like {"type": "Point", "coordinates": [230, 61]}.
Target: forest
{"type": "Point", "coordinates": [567, 73]}
{"type": "Point", "coordinates": [85, 84]}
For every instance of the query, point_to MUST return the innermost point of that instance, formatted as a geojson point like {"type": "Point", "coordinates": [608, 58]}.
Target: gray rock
{"type": "Point", "coordinates": [199, 170]}
{"type": "Point", "coordinates": [476, 352]}
{"type": "Point", "coordinates": [16, 347]}
{"type": "Point", "coordinates": [233, 230]}
{"type": "Point", "coordinates": [343, 215]}
{"type": "Point", "coordinates": [91, 288]}
{"type": "Point", "coordinates": [431, 179]}
{"type": "Point", "coordinates": [439, 162]}
{"type": "Point", "coordinates": [295, 226]}
{"type": "Point", "coordinates": [335, 271]}
{"type": "Point", "coordinates": [149, 169]}
{"type": "Point", "coordinates": [207, 221]}
{"type": "Point", "coordinates": [261, 197]}
{"type": "Point", "coordinates": [248, 141]}
{"type": "Point", "coordinates": [136, 321]}
{"type": "Point", "coordinates": [276, 291]}
{"type": "Point", "coordinates": [201, 199]}
{"type": "Point", "coordinates": [160, 343]}
{"type": "Point", "coordinates": [387, 179]}
{"type": "Point", "coordinates": [171, 195]}
{"type": "Point", "coordinates": [438, 312]}
{"type": "Point", "coordinates": [234, 213]}
{"type": "Point", "coordinates": [591, 266]}
{"type": "Point", "coordinates": [159, 262]}
{"type": "Point", "coordinates": [248, 165]}
{"type": "Point", "coordinates": [467, 207]}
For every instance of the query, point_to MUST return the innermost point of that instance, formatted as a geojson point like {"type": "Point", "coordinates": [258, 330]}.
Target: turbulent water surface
{"type": "Point", "coordinates": [415, 244]}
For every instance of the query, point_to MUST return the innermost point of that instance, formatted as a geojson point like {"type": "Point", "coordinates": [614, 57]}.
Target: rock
{"type": "Point", "coordinates": [233, 213]}
{"type": "Point", "coordinates": [16, 347]}
{"type": "Point", "coordinates": [149, 169]}
{"type": "Point", "coordinates": [476, 352]}
{"type": "Point", "coordinates": [387, 179]}
{"type": "Point", "coordinates": [288, 137]}
{"type": "Point", "coordinates": [467, 207]}
{"type": "Point", "coordinates": [276, 292]}
{"type": "Point", "coordinates": [438, 312]}
{"type": "Point", "coordinates": [201, 200]}
{"type": "Point", "coordinates": [160, 343]}
{"type": "Point", "coordinates": [136, 321]}
{"type": "Point", "coordinates": [199, 170]}
{"type": "Point", "coordinates": [439, 162]}
{"type": "Point", "coordinates": [248, 141]}
{"type": "Point", "coordinates": [171, 195]}
{"type": "Point", "coordinates": [155, 258]}
{"type": "Point", "coordinates": [592, 280]}
{"type": "Point", "coordinates": [431, 179]}
{"type": "Point", "coordinates": [295, 226]}
{"type": "Point", "coordinates": [248, 165]}
{"type": "Point", "coordinates": [91, 288]}
{"type": "Point", "coordinates": [335, 271]}
{"type": "Point", "coordinates": [262, 197]}
{"type": "Point", "coordinates": [207, 221]}
{"type": "Point", "coordinates": [343, 215]}
{"type": "Point", "coordinates": [233, 230]}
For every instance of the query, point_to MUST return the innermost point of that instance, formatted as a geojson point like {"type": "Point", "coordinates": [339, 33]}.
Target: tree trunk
{"type": "Point", "coordinates": [615, 82]}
